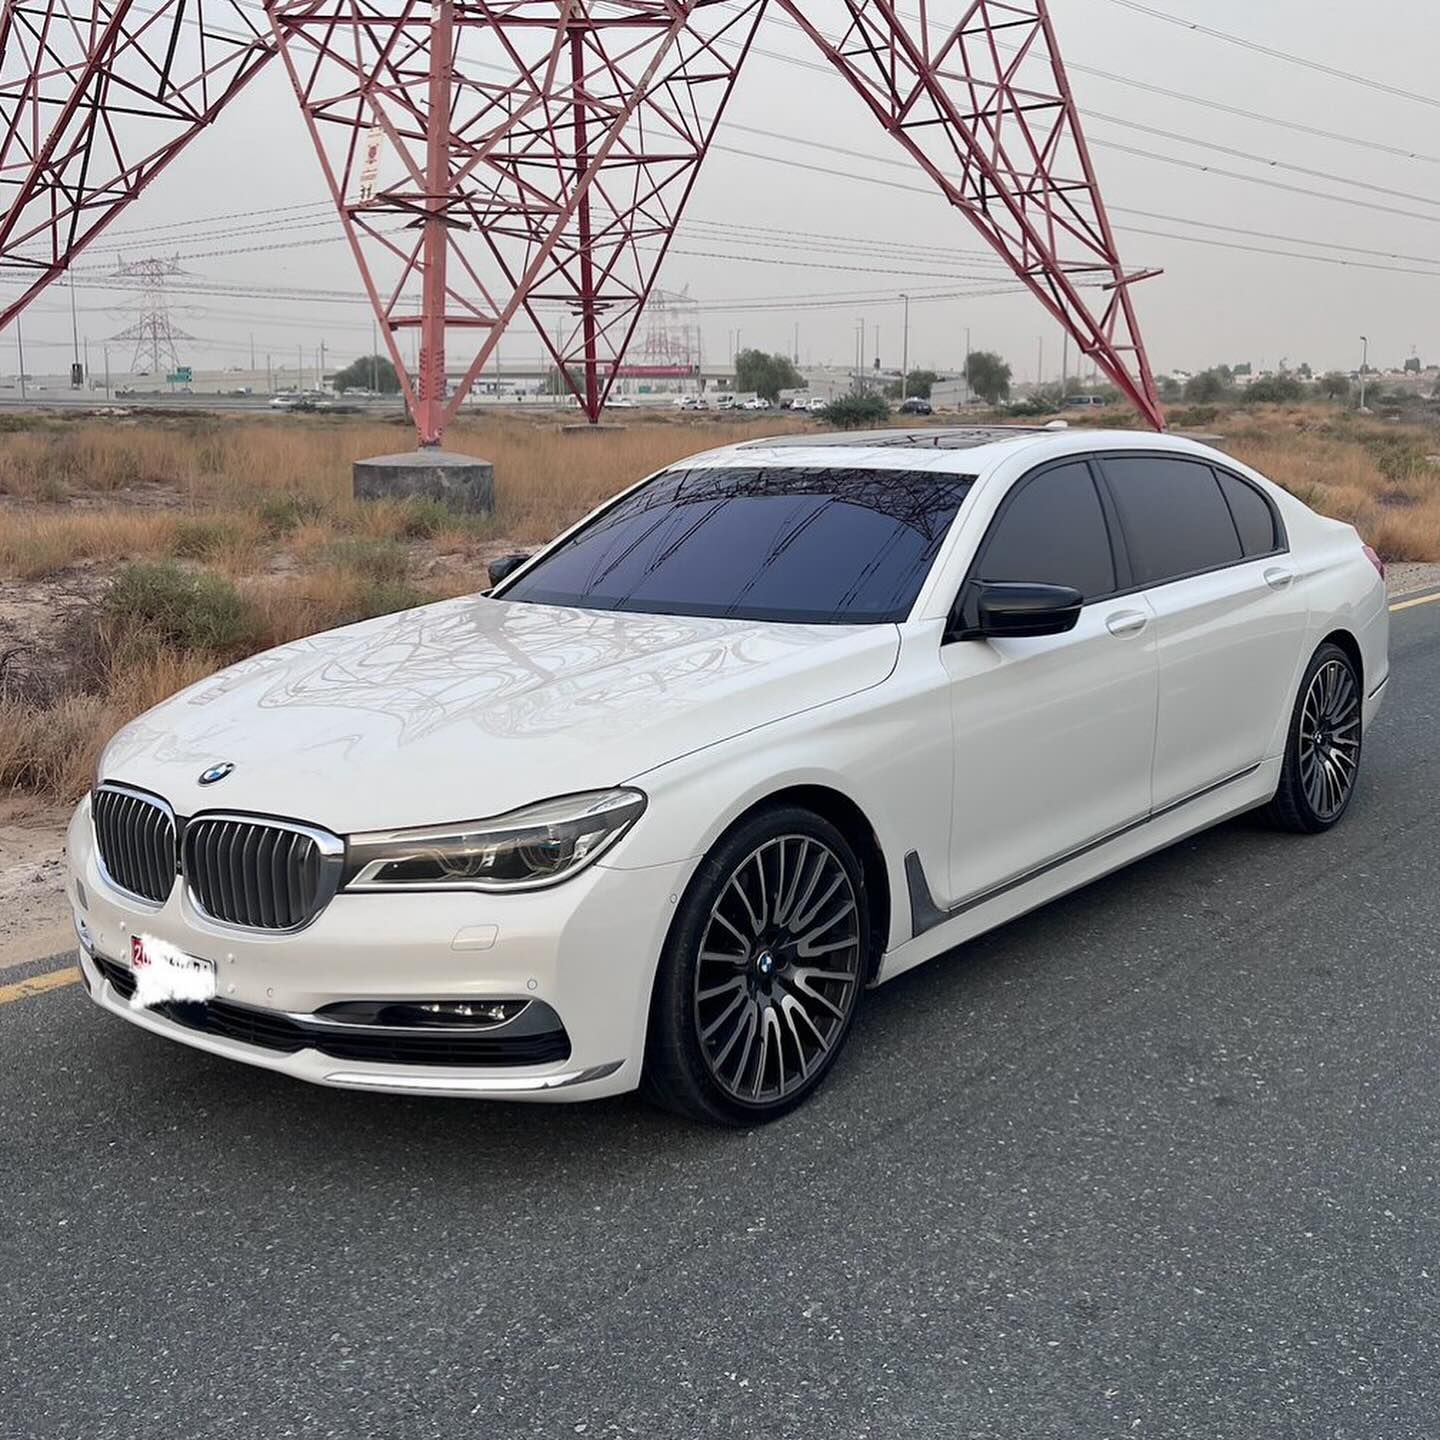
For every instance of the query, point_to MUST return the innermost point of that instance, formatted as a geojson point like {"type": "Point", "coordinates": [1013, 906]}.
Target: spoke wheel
{"type": "Point", "coordinates": [763, 971]}
{"type": "Point", "coordinates": [779, 968]}
{"type": "Point", "coordinates": [1322, 749]}
{"type": "Point", "coordinates": [1329, 739]}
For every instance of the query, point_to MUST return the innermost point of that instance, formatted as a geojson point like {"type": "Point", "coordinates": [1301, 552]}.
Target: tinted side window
{"type": "Point", "coordinates": [1053, 532]}
{"type": "Point", "coordinates": [1254, 518]}
{"type": "Point", "coordinates": [1176, 520]}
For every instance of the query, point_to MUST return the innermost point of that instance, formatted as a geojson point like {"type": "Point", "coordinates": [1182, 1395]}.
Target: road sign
{"type": "Point", "coordinates": [180, 376]}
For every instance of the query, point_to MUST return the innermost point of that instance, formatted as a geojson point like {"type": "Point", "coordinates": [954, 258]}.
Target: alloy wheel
{"type": "Point", "coordinates": [1329, 740]}
{"type": "Point", "coordinates": [779, 969]}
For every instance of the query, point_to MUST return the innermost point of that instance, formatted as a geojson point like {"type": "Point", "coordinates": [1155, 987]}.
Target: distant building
{"type": "Point", "coordinates": [952, 395]}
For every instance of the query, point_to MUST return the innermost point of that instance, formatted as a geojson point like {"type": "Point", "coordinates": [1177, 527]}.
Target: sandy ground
{"type": "Point", "coordinates": [34, 917]}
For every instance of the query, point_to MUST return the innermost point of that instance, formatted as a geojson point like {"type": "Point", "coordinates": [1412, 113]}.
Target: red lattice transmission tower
{"type": "Point", "coordinates": [494, 157]}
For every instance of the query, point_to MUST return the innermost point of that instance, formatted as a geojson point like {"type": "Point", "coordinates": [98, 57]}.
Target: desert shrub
{"type": "Point", "coordinates": [282, 514]}
{"type": "Point", "coordinates": [383, 562]}
{"type": "Point", "coordinates": [204, 539]}
{"type": "Point", "coordinates": [854, 412]}
{"type": "Point", "coordinates": [423, 517]}
{"type": "Point", "coordinates": [151, 605]}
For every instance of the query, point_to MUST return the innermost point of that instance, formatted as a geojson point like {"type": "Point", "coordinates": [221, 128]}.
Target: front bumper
{"type": "Point", "coordinates": [587, 949]}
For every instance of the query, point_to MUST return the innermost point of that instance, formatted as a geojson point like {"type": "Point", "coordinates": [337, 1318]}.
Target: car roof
{"type": "Point", "coordinates": [959, 449]}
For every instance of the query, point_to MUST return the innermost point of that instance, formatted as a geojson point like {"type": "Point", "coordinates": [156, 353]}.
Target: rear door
{"type": "Point", "coordinates": [1209, 554]}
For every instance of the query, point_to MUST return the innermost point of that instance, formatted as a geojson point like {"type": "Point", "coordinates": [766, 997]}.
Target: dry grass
{"type": "Point", "coordinates": [210, 538]}
{"type": "Point", "coordinates": [1378, 476]}
{"type": "Point", "coordinates": [51, 750]}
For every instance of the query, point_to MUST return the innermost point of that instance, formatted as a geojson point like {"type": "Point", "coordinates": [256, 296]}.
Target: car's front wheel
{"type": "Point", "coordinates": [762, 971]}
{"type": "Point", "coordinates": [1322, 748]}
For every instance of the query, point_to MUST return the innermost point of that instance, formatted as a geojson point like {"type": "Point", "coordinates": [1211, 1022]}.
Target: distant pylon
{"type": "Point", "coordinates": [672, 337]}
{"type": "Point", "coordinates": [152, 332]}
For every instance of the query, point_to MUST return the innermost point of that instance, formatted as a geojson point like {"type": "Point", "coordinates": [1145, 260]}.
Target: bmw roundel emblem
{"type": "Point", "coordinates": [216, 772]}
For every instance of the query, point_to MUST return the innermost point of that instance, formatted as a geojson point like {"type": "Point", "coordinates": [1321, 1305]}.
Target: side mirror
{"type": "Point", "coordinates": [506, 565]}
{"type": "Point", "coordinates": [1017, 610]}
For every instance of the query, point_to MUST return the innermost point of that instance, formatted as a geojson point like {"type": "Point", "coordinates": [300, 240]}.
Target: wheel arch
{"type": "Point", "coordinates": [852, 822]}
{"type": "Point", "coordinates": [1347, 641]}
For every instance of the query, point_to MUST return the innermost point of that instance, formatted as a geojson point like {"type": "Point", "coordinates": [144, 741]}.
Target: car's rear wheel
{"type": "Point", "coordinates": [762, 972]}
{"type": "Point", "coordinates": [1322, 749]}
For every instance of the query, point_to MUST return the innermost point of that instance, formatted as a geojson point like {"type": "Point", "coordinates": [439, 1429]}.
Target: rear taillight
{"type": "Point", "coordinates": [1375, 560]}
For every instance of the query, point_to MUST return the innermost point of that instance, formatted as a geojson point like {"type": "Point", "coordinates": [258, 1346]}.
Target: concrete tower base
{"type": "Point", "coordinates": [460, 482]}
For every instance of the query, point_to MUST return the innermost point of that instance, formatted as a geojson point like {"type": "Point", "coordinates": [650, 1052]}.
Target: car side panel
{"type": "Point", "coordinates": [890, 752]}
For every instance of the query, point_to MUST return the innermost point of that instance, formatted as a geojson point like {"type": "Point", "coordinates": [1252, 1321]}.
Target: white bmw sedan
{"type": "Point", "coordinates": [761, 733]}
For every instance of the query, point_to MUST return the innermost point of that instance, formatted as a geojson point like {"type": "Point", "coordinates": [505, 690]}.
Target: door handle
{"type": "Point", "coordinates": [1127, 622]}
{"type": "Point", "coordinates": [1278, 578]}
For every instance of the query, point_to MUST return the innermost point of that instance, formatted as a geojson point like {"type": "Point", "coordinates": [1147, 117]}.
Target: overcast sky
{"type": "Point", "coordinates": [1212, 305]}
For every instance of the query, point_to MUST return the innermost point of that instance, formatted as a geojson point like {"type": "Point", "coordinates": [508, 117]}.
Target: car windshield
{"type": "Point", "coordinates": [806, 545]}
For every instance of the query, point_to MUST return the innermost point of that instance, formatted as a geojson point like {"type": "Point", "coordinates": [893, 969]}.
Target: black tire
{"type": "Point", "coordinates": [1322, 747]}
{"type": "Point", "coordinates": [739, 957]}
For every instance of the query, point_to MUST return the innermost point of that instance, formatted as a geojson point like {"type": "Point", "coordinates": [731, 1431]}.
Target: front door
{"type": "Point", "coordinates": [1054, 735]}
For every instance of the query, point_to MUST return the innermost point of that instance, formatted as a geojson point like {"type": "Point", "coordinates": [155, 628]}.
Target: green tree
{"type": "Point", "coordinates": [766, 375]}
{"type": "Point", "coordinates": [1335, 386]}
{"type": "Point", "coordinates": [1273, 390]}
{"type": "Point", "coordinates": [1169, 387]}
{"type": "Point", "coordinates": [988, 375]}
{"type": "Point", "coordinates": [1208, 386]}
{"type": "Point", "coordinates": [918, 385]}
{"type": "Point", "coordinates": [369, 372]}
{"type": "Point", "coordinates": [853, 412]}
{"type": "Point", "coordinates": [556, 384]}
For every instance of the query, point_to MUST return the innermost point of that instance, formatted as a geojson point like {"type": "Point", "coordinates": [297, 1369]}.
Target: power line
{"type": "Point", "coordinates": [1189, 239]}
{"type": "Point", "coordinates": [1261, 159]}
{"type": "Point", "coordinates": [896, 163]}
{"type": "Point", "coordinates": [1333, 71]}
{"type": "Point", "coordinates": [1167, 159]}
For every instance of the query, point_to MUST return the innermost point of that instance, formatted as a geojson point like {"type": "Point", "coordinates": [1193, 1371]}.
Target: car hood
{"type": "Point", "coordinates": [474, 707]}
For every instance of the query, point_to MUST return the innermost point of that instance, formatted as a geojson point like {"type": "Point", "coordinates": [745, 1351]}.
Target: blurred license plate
{"type": "Point", "coordinates": [164, 973]}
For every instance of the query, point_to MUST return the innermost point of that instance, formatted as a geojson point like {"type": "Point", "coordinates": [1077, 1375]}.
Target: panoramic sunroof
{"type": "Point", "coordinates": [960, 438]}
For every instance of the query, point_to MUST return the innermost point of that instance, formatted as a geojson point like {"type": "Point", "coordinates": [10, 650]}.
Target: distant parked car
{"type": "Point", "coordinates": [1084, 402]}
{"type": "Point", "coordinates": [758, 403]}
{"type": "Point", "coordinates": [916, 406]}
{"type": "Point", "coordinates": [620, 402]}
{"type": "Point", "coordinates": [815, 403]}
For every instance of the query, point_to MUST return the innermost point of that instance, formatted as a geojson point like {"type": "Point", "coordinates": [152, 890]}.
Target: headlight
{"type": "Point", "coordinates": [539, 845]}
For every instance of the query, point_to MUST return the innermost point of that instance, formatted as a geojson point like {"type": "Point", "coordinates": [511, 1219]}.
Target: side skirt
{"type": "Point", "coordinates": [936, 929]}
{"type": "Point", "coordinates": [925, 914]}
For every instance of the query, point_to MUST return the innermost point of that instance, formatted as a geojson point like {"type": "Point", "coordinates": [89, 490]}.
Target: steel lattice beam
{"type": "Point", "coordinates": [980, 100]}
{"type": "Point", "coordinates": [536, 156]}
{"type": "Point", "coordinates": [494, 157]}
{"type": "Point", "coordinates": [96, 99]}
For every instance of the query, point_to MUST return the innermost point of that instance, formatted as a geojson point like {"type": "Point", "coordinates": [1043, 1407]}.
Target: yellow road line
{"type": "Point", "coordinates": [1419, 600]}
{"type": "Point", "coordinates": [39, 984]}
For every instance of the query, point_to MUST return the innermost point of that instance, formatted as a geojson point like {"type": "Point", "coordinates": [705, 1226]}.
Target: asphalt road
{"type": "Point", "coordinates": [1163, 1159]}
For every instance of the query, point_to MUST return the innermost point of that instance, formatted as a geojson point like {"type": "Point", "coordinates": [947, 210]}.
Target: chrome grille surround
{"type": "Point", "coordinates": [255, 873]}
{"type": "Point", "coordinates": [134, 842]}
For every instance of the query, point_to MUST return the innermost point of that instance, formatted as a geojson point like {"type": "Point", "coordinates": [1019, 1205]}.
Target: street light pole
{"type": "Point", "coordinates": [1364, 368]}
{"type": "Point", "coordinates": [74, 335]}
{"type": "Point", "coordinates": [905, 355]}
{"type": "Point", "coordinates": [860, 356]}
